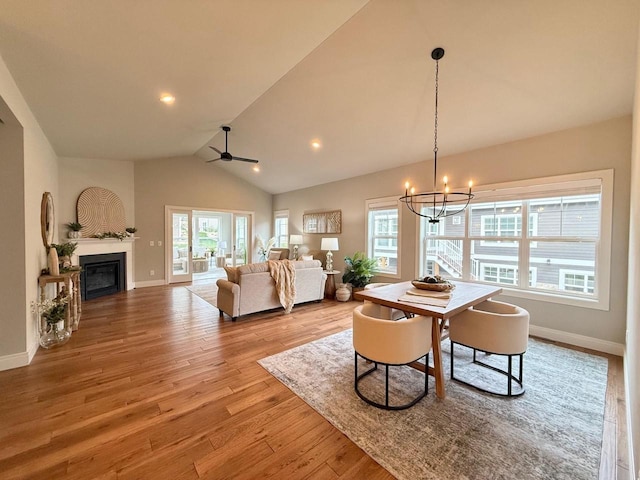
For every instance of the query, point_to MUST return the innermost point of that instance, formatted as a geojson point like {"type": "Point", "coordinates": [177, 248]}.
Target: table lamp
{"type": "Point", "coordinates": [295, 240]}
{"type": "Point", "coordinates": [329, 243]}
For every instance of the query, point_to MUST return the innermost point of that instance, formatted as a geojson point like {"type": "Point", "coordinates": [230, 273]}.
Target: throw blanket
{"type": "Point", "coordinates": [284, 274]}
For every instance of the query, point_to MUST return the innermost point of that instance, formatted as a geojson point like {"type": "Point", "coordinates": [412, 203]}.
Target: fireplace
{"type": "Point", "coordinates": [103, 274]}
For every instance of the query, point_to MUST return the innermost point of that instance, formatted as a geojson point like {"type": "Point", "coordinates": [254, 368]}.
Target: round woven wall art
{"type": "Point", "coordinates": [99, 211]}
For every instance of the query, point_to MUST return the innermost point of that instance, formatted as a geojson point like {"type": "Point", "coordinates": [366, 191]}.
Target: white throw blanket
{"type": "Point", "coordinates": [283, 273]}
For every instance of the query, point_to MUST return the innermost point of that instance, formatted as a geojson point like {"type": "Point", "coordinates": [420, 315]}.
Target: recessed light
{"type": "Point", "coordinates": [315, 144]}
{"type": "Point", "coordinates": [167, 98]}
{"type": "Point", "coordinates": [256, 168]}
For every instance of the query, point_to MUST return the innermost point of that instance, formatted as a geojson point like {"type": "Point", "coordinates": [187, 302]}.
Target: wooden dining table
{"type": "Point", "coordinates": [463, 296]}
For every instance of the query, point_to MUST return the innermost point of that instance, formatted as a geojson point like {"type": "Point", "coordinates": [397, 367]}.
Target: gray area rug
{"type": "Point", "coordinates": [553, 431]}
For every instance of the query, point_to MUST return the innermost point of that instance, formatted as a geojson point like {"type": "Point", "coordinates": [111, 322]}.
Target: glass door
{"type": "Point", "coordinates": [180, 268]}
{"type": "Point", "coordinates": [241, 235]}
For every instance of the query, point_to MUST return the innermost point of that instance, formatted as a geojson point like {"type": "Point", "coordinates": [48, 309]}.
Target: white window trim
{"type": "Point", "coordinates": [542, 186]}
{"type": "Point", "coordinates": [381, 204]}
{"type": "Point", "coordinates": [278, 214]}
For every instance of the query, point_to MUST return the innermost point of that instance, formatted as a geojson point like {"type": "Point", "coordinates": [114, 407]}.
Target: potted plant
{"type": "Point", "coordinates": [53, 311]}
{"type": "Point", "coordinates": [74, 229]}
{"type": "Point", "coordinates": [65, 250]}
{"type": "Point", "coordinates": [131, 231]}
{"type": "Point", "coordinates": [359, 270]}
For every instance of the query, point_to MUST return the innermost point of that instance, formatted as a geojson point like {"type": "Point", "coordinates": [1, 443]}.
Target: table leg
{"type": "Point", "coordinates": [437, 357]}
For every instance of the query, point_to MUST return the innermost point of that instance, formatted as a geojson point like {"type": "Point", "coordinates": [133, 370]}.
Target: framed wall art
{"type": "Point", "coordinates": [322, 222]}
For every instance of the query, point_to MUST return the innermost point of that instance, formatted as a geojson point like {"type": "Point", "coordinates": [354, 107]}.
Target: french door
{"type": "Point", "coordinates": [199, 240]}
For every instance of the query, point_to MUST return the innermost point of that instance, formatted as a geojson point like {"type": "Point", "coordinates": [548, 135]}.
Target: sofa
{"type": "Point", "coordinates": [250, 288]}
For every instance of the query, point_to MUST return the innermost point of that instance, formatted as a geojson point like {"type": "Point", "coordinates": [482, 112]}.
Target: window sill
{"type": "Point", "coordinates": [594, 304]}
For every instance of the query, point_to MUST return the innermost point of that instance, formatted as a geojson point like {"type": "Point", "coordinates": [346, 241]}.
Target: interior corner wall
{"type": "Point", "coordinates": [593, 147]}
{"type": "Point", "coordinates": [76, 174]}
{"type": "Point", "coordinates": [192, 183]}
{"type": "Point", "coordinates": [632, 353]}
{"type": "Point", "coordinates": [39, 167]}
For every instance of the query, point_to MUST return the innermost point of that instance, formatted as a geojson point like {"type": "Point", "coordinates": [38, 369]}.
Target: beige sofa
{"type": "Point", "coordinates": [253, 289]}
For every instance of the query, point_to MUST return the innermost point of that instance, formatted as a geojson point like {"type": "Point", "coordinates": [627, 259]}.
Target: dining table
{"type": "Point", "coordinates": [462, 296]}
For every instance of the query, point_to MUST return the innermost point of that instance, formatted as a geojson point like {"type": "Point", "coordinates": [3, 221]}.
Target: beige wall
{"type": "Point", "coordinates": [36, 172]}
{"type": "Point", "coordinates": [187, 182]}
{"type": "Point", "coordinates": [594, 147]}
{"type": "Point", "coordinates": [632, 357]}
{"type": "Point", "coordinates": [76, 174]}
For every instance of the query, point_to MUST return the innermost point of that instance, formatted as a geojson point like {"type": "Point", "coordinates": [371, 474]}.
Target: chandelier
{"type": "Point", "coordinates": [438, 203]}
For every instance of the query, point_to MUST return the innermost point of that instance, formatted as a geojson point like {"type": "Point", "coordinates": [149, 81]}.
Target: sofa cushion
{"type": "Point", "coordinates": [274, 255]}
{"type": "Point", "coordinates": [306, 257]}
{"type": "Point", "coordinates": [232, 274]}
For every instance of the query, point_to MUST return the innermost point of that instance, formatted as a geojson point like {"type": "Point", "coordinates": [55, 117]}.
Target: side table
{"type": "Point", "coordinates": [330, 286]}
{"type": "Point", "coordinates": [71, 282]}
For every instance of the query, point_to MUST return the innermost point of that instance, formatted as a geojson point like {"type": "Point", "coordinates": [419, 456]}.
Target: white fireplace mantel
{"type": "Point", "coordinates": [96, 246]}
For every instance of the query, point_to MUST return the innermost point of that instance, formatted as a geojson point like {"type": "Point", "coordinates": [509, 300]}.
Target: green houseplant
{"type": "Point", "coordinates": [65, 250]}
{"type": "Point", "coordinates": [359, 270]}
{"type": "Point", "coordinates": [74, 229]}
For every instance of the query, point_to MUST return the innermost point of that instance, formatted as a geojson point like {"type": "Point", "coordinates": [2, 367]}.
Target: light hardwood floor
{"type": "Point", "coordinates": [154, 385]}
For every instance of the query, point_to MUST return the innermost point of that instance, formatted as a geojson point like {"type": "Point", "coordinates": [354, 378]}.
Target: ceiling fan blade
{"type": "Point", "coordinates": [214, 160]}
{"type": "Point", "coordinates": [214, 148]}
{"type": "Point", "coordinates": [245, 159]}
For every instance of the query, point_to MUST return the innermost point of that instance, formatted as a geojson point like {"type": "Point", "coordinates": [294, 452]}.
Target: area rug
{"type": "Point", "coordinates": [553, 431]}
{"type": "Point", "coordinates": [207, 291]}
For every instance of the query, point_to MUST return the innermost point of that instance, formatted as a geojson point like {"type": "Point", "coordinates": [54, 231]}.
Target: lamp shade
{"type": "Point", "coordinates": [222, 244]}
{"type": "Point", "coordinates": [329, 243]}
{"type": "Point", "coordinates": [295, 239]}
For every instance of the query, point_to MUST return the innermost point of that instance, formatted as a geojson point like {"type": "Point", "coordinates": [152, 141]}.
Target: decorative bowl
{"type": "Point", "coordinates": [436, 287]}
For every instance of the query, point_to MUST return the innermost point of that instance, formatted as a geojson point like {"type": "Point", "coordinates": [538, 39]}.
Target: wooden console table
{"type": "Point", "coordinates": [71, 282]}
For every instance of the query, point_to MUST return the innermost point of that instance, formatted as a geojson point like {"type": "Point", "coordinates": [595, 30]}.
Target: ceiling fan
{"type": "Point", "coordinates": [226, 156]}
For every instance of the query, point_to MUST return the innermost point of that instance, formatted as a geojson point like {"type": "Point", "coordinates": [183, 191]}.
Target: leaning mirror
{"type": "Point", "coordinates": [47, 219]}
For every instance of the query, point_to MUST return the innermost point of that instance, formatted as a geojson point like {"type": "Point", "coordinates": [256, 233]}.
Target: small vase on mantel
{"type": "Point", "coordinates": [343, 294]}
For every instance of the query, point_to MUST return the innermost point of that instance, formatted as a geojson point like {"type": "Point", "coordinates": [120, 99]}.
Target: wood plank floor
{"type": "Point", "coordinates": [154, 385]}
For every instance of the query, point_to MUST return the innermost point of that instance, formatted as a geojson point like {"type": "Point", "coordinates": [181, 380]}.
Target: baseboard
{"type": "Point", "coordinates": [33, 350]}
{"type": "Point", "coordinates": [15, 360]}
{"type": "Point", "coordinates": [150, 283]}
{"type": "Point", "coordinates": [630, 433]}
{"type": "Point", "coordinates": [597, 344]}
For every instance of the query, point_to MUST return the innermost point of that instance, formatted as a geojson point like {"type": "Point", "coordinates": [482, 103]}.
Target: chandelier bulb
{"type": "Point", "coordinates": [445, 179]}
{"type": "Point", "coordinates": [413, 190]}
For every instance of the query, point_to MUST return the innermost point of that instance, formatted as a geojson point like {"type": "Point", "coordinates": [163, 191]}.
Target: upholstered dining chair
{"type": "Point", "coordinates": [390, 343]}
{"type": "Point", "coordinates": [493, 328]}
{"type": "Point", "coordinates": [380, 311]}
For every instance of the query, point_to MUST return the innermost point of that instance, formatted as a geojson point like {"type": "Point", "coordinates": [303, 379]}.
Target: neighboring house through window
{"type": "Point", "coordinates": [546, 239]}
{"type": "Point", "coordinates": [383, 236]}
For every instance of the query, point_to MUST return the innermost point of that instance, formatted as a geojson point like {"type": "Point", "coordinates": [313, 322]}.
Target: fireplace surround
{"type": "Point", "coordinates": [103, 274]}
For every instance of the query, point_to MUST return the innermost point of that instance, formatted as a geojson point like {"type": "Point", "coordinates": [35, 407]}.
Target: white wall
{"type": "Point", "coordinates": [40, 174]}
{"type": "Point", "coordinates": [593, 147]}
{"type": "Point", "coordinates": [76, 174]}
{"type": "Point", "coordinates": [632, 357]}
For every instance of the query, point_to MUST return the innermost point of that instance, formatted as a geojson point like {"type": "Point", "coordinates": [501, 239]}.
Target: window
{"type": "Point", "coordinates": [548, 239]}
{"type": "Point", "coordinates": [577, 281]}
{"type": "Point", "coordinates": [382, 234]}
{"type": "Point", "coordinates": [281, 228]}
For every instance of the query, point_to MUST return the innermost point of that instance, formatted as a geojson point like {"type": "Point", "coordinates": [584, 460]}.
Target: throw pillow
{"type": "Point", "coordinates": [232, 274]}
{"type": "Point", "coordinates": [274, 255]}
{"type": "Point", "coordinates": [306, 257]}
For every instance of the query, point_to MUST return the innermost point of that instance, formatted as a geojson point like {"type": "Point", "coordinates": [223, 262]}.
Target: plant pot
{"type": "Point", "coordinates": [73, 234]}
{"type": "Point", "coordinates": [343, 294]}
{"type": "Point", "coordinates": [54, 336]}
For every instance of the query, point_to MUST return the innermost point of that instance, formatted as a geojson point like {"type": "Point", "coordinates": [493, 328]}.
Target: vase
{"type": "Point", "coordinates": [343, 294]}
{"type": "Point", "coordinates": [64, 261]}
{"type": "Point", "coordinates": [73, 234]}
{"type": "Point", "coordinates": [54, 267]}
{"type": "Point", "coordinates": [54, 336]}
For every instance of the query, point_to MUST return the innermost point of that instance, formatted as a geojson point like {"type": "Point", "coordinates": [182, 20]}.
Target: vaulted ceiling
{"type": "Point", "coordinates": [354, 74]}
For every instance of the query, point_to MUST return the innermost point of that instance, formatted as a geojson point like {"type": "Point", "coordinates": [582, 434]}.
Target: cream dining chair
{"type": "Point", "coordinates": [380, 311]}
{"type": "Point", "coordinates": [493, 328]}
{"type": "Point", "coordinates": [390, 343]}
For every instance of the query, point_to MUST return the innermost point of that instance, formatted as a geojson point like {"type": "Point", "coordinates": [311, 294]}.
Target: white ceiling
{"type": "Point", "coordinates": [356, 75]}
